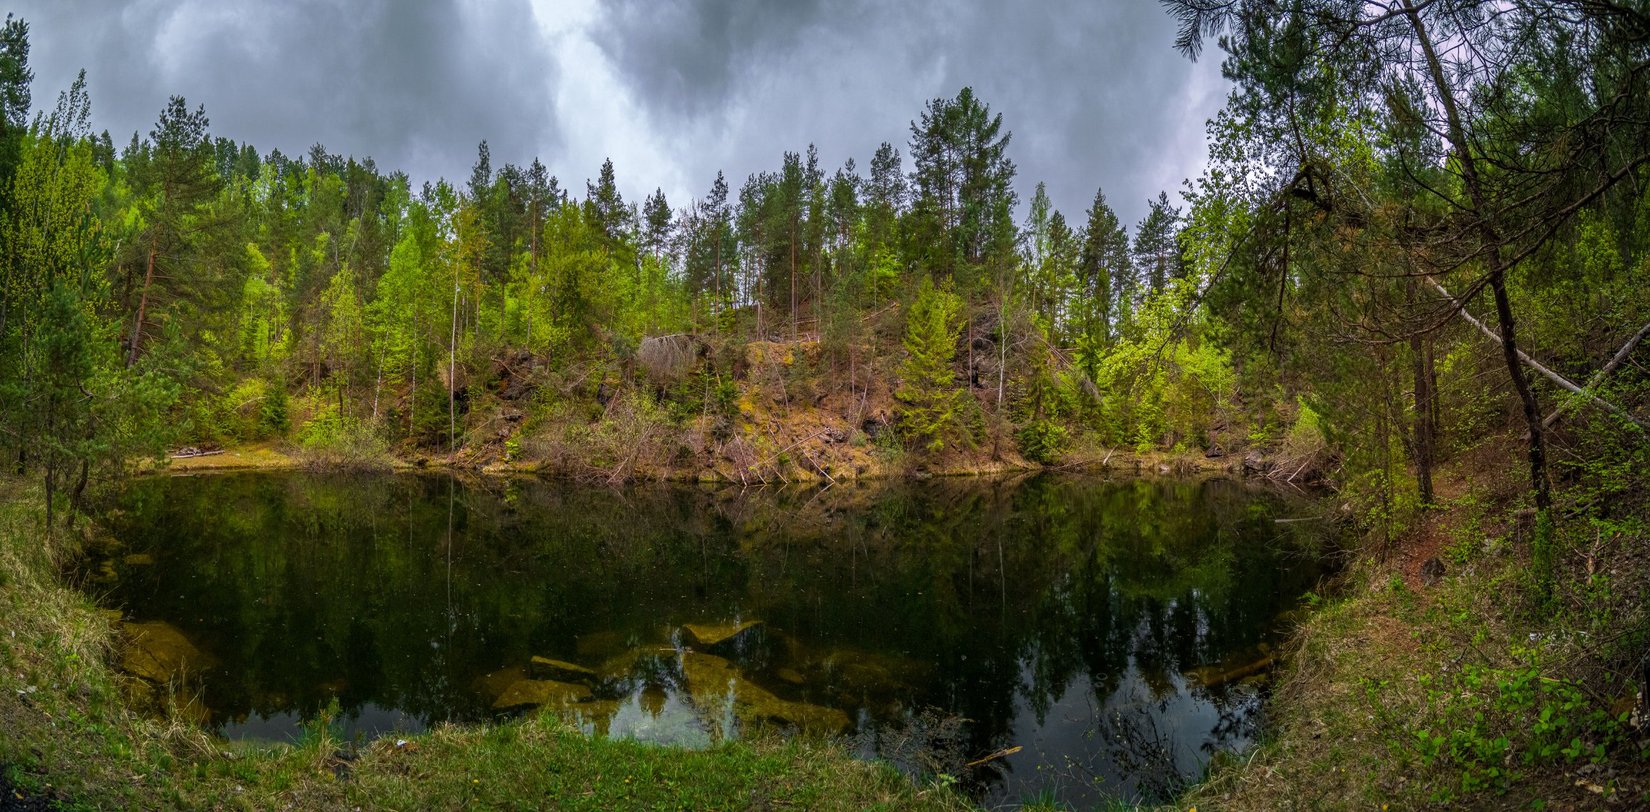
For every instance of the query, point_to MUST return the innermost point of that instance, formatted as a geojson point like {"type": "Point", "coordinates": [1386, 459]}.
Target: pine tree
{"type": "Point", "coordinates": [930, 402]}
{"type": "Point", "coordinates": [176, 175]}
{"type": "Point", "coordinates": [15, 78]}
{"type": "Point", "coordinates": [1103, 269]}
{"type": "Point", "coordinates": [612, 216]}
{"type": "Point", "coordinates": [1156, 250]}
{"type": "Point", "coordinates": [963, 226]}
{"type": "Point", "coordinates": [656, 224]}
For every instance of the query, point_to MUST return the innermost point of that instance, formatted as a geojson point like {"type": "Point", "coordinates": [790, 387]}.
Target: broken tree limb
{"type": "Point", "coordinates": [1003, 753]}
{"type": "Point", "coordinates": [1563, 382]}
{"type": "Point", "coordinates": [1598, 377]}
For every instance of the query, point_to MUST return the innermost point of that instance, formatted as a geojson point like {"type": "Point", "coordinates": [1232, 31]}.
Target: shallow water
{"type": "Point", "coordinates": [1113, 631]}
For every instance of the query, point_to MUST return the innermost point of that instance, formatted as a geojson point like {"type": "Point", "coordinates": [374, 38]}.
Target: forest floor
{"type": "Point", "coordinates": [1435, 677]}
{"type": "Point", "coordinates": [69, 740]}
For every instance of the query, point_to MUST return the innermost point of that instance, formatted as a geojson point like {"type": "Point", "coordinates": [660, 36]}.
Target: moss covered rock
{"type": "Point", "coordinates": [158, 652]}
{"type": "Point", "coordinates": [712, 680]}
{"type": "Point", "coordinates": [725, 639]}
{"type": "Point", "coordinates": [532, 693]}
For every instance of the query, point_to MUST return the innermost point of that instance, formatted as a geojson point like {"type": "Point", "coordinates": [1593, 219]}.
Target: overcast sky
{"type": "Point", "coordinates": [1091, 89]}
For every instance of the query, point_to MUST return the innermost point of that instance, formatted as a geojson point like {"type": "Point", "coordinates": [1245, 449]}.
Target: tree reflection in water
{"type": "Point", "coordinates": [1096, 625]}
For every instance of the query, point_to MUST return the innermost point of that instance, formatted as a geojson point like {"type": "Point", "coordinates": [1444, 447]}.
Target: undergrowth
{"type": "Point", "coordinates": [1510, 683]}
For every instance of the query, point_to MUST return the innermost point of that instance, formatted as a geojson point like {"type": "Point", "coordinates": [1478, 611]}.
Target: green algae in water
{"type": "Point", "coordinates": [1111, 630]}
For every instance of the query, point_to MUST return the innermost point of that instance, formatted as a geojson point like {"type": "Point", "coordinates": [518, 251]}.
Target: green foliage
{"type": "Point", "coordinates": [930, 402]}
{"type": "Point", "coordinates": [335, 440]}
{"type": "Point", "coordinates": [1160, 389]}
{"type": "Point", "coordinates": [1526, 719]}
{"type": "Point", "coordinates": [1042, 440]}
{"type": "Point", "coordinates": [272, 410]}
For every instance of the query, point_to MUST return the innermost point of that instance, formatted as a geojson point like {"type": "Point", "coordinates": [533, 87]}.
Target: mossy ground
{"type": "Point", "coordinates": [67, 737]}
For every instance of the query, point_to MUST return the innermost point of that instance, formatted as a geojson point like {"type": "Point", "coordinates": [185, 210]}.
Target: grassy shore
{"type": "Point", "coordinates": [1478, 688]}
{"type": "Point", "coordinates": [67, 737]}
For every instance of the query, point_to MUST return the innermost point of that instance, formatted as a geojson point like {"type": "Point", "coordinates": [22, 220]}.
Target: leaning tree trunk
{"type": "Point", "coordinates": [143, 307]}
{"type": "Point", "coordinates": [1526, 393]}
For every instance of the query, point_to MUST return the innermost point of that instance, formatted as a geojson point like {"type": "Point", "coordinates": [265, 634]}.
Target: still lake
{"type": "Point", "coordinates": [1115, 632]}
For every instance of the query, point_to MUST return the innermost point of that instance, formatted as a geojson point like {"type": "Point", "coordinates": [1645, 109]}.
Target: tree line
{"type": "Point", "coordinates": [1398, 195]}
{"type": "Point", "coordinates": [191, 274]}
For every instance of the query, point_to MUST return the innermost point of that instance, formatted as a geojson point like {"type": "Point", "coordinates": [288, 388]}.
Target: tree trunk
{"type": "Point", "coordinates": [77, 495]}
{"type": "Point", "coordinates": [452, 379]}
{"type": "Point", "coordinates": [793, 282]}
{"type": "Point", "coordinates": [143, 306]}
{"type": "Point", "coordinates": [1526, 394]}
{"type": "Point", "coordinates": [378, 387]}
{"type": "Point", "coordinates": [1420, 351]}
{"type": "Point", "coordinates": [1472, 183]}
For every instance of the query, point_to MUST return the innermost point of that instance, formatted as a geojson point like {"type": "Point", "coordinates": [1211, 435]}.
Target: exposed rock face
{"type": "Point", "coordinates": [158, 652]}
{"type": "Point", "coordinates": [727, 639]}
{"type": "Point", "coordinates": [712, 680]}
{"type": "Point", "coordinates": [530, 693]}
{"type": "Point", "coordinates": [1256, 465]}
{"type": "Point", "coordinates": [1432, 571]}
{"type": "Point", "coordinates": [546, 668]}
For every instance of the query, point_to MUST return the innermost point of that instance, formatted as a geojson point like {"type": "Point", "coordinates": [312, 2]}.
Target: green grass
{"type": "Point", "coordinates": [1473, 693]}
{"type": "Point", "coordinates": [67, 734]}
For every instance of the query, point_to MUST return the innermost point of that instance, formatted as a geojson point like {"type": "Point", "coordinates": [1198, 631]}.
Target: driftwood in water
{"type": "Point", "coordinates": [1214, 676]}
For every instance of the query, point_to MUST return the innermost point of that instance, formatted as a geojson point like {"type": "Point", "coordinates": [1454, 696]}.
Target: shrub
{"type": "Point", "coordinates": [333, 440]}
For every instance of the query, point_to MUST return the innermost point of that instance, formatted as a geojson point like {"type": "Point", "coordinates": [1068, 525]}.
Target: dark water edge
{"type": "Point", "coordinates": [1113, 631]}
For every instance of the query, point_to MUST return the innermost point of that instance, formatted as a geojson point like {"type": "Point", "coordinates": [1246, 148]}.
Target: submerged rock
{"type": "Point", "coordinates": [546, 668]}
{"type": "Point", "coordinates": [158, 652]}
{"type": "Point", "coordinates": [597, 645]}
{"type": "Point", "coordinates": [644, 665]}
{"type": "Point", "coordinates": [712, 681]}
{"type": "Point", "coordinates": [866, 677]}
{"type": "Point", "coordinates": [726, 639]}
{"type": "Point", "coordinates": [529, 693]}
{"type": "Point", "coordinates": [494, 684]}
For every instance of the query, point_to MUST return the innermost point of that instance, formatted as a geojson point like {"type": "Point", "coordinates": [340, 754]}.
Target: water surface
{"type": "Point", "coordinates": [1113, 631]}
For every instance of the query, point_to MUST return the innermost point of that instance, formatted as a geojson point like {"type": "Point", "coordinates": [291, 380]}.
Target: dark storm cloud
{"type": "Point", "coordinates": [414, 85]}
{"type": "Point", "coordinates": [686, 58]}
{"type": "Point", "coordinates": [1093, 91]}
